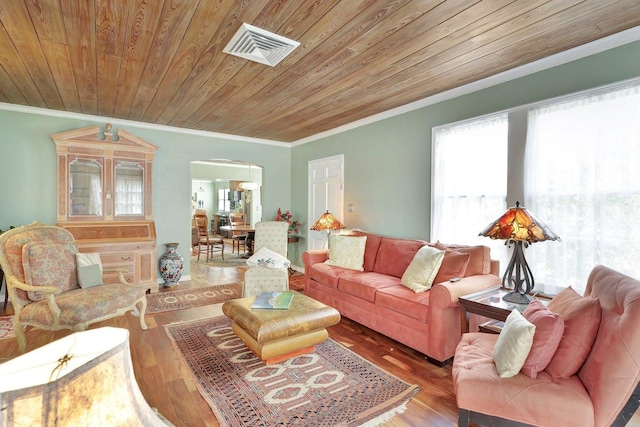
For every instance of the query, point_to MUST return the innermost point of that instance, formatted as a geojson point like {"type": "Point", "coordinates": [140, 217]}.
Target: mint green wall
{"type": "Point", "coordinates": [28, 172]}
{"type": "Point", "coordinates": [387, 164]}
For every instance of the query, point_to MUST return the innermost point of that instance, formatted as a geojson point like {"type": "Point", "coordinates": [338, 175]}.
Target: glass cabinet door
{"type": "Point", "coordinates": [85, 187]}
{"type": "Point", "coordinates": [129, 188]}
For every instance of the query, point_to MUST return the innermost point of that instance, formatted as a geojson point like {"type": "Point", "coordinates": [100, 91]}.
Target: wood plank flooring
{"type": "Point", "coordinates": [166, 384]}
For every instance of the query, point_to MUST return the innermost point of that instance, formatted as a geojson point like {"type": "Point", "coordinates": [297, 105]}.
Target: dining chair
{"type": "Point", "coordinates": [238, 238]}
{"type": "Point", "coordinates": [209, 243]}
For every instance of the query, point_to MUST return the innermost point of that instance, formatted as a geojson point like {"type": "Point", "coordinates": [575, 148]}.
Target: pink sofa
{"type": "Point", "coordinates": [430, 322]}
{"type": "Point", "coordinates": [604, 390]}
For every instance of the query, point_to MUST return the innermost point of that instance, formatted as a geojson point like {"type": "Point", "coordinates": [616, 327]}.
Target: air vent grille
{"type": "Point", "coordinates": [259, 45]}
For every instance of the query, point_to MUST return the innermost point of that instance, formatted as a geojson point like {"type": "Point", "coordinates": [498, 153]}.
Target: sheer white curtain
{"type": "Point", "coordinates": [469, 181]}
{"type": "Point", "coordinates": [582, 178]}
{"type": "Point", "coordinates": [129, 195]}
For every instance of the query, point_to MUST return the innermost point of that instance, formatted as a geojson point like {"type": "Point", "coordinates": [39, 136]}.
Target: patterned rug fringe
{"type": "Point", "coordinates": [6, 328]}
{"type": "Point", "coordinates": [381, 419]}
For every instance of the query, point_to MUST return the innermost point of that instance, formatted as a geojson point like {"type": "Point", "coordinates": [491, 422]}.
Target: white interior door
{"type": "Point", "coordinates": [326, 193]}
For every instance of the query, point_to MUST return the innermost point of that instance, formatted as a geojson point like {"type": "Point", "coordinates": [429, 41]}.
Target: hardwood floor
{"type": "Point", "coordinates": [166, 384]}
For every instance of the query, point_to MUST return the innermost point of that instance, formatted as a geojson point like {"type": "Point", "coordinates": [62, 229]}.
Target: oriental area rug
{"type": "Point", "coordinates": [192, 297]}
{"type": "Point", "coordinates": [6, 328]}
{"type": "Point", "coordinates": [330, 387]}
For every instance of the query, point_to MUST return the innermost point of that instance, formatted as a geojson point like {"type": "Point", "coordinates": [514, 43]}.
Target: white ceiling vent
{"type": "Point", "coordinates": [259, 45]}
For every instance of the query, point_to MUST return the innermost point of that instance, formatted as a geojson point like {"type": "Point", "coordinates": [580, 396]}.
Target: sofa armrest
{"type": "Point", "coordinates": [446, 294]}
{"type": "Point", "coordinates": [445, 313]}
{"type": "Point", "coordinates": [314, 256]}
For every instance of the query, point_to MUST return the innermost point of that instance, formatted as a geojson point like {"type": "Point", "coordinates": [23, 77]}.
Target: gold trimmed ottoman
{"type": "Point", "coordinates": [276, 335]}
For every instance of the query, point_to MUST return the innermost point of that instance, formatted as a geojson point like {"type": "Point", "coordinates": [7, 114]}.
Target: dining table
{"type": "Point", "coordinates": [247, 229]}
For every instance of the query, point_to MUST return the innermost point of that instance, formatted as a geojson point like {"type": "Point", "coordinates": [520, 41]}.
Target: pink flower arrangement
{"type": "Point", "coordinates": [288, 217]}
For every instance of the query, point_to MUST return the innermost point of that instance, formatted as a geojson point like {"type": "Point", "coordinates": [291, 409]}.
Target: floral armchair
{"type": "Point", "coordinates": [51, 290]}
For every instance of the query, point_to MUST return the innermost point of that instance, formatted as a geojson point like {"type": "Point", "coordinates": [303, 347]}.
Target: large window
{"type": "Point", "coordinates": [469, 180]}
{"type": "Point", "coordinates": [573, 163]}
{"type": "Point", "coordinates": [582, 176]}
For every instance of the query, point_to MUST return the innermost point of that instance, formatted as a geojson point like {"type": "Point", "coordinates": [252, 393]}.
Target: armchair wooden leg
{"type": "Point", "coordinates": [18, 330]}
{"type": "Point", "coordinates": [142, 308]}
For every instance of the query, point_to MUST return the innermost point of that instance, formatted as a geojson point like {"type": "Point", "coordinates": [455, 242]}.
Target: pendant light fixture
{"type": "Point", "coordinates": [249, 185]}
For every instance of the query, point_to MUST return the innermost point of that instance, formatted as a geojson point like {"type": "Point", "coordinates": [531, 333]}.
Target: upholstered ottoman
{"type": "Point", "coordinates": [276, 335]}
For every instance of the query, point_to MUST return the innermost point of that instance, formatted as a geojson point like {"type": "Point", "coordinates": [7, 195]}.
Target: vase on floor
{"type": "Point", "coordinates": [171, 265]}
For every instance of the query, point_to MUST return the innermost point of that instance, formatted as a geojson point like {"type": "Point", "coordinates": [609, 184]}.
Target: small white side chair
{"type": "Point", "coordinates": [257, 279]}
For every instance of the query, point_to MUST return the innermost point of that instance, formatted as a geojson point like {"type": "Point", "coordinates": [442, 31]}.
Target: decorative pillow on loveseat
{"type": "Point", "coordinates": [49, 264]}
{"type": "Point", "coordinates": [581, 322]}
{"type": "Point", "coordinates": [549, 329]}
{"type": "Point", "coordinates": [346, 251]}
{"type": "Point", "coordinates": [513, 345]}
{"type": "Point", "coordinates": [89, 269]}
{"type": "Point", "coordinates": [422, 270]}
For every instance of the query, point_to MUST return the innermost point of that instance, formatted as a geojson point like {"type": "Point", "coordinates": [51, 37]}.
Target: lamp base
{"type": "Point", "coordinates": [517, 298]}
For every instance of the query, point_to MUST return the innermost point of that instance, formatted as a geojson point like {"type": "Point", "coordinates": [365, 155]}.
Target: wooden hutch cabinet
{"type": "Point", "coordinates": [104, 199]}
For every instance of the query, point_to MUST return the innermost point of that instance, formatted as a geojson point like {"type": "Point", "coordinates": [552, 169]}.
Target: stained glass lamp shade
{"type": "Point", "coordinates": [518, 227]}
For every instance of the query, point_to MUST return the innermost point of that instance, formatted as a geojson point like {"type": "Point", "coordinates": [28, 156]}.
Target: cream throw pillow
{"type": "Point", "coordinates": [423, 269]}
{"type": "Point", "coordinates": [346, 251]}
{"type": "Point", "coordinates": [513, 345]}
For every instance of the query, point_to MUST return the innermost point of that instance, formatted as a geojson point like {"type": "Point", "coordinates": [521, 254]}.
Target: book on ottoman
{"type": "Point", "coordinates": [273, 301]}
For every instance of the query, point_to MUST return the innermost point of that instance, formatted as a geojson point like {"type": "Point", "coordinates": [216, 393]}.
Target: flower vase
{"type": "Point", "coordinates": [171, 265]}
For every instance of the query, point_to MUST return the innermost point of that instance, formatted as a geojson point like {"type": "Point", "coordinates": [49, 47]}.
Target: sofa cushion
{"type": "Point", "coordinates": [329, 275]}
{"type": "Point", "coordinates": [403, 300]}
{"type": "Point", "coordinates": [346, 251]}
{"type": "Point", "coordinates": [480, 261]}
{"type": "Point", "coordinates": [365, 285]}
{"type": "Point", "coordinates": [454, 264]}
{"type": "Point", "coordinates": [543, 401]}
{"type": "Point", "coordinates": [549, 330]}
{"type": "Point", "coordinates": [423, 269]}
{"type": "Point", "coordinates": [395, 255]}
{"type": "Point", "coordinates": [513, 345]}
{"type": "Point", "coordinates": [581, 321]}
{"type": "Point", "coordinates": [49, 264]}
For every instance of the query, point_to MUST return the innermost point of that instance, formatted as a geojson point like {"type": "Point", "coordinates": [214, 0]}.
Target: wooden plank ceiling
{"type": "Point", "coordinates": [161, 61]}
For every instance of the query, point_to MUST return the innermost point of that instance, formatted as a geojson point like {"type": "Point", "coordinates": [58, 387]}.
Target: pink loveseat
{"type": "Point", "coordinates": [431, 321]}
{"type": "Point", "coordinates": [604, 390]}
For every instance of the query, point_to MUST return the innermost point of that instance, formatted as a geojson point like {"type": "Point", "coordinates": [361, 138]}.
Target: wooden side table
{"type": "Point", "coordinates": [489, 303]}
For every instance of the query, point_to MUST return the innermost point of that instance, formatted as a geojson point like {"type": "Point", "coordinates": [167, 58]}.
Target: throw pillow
{"type": "Point", "coordinates": [423, 269]}
{"type": "Point", "coordinates": [85, 259]}
{"type": "Point", "coordinates": [513, 345]}
{"type": "Point", "coordinates": [265, 257]}
{"type": "Point", "coordinates": [89, 275]}
{"type": "Point", "coordinates": [549, 330]}
{"type": "Point", "coordinates": [453, 265]}
{"type": "Point", "coordinates": [346, 251]}
{"type": "Point", "coordinates": [581, 322]}
{"type": "Point", "coordinates": [480, 261]}
{"type": "Point", "coordinates": [49, 264]}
